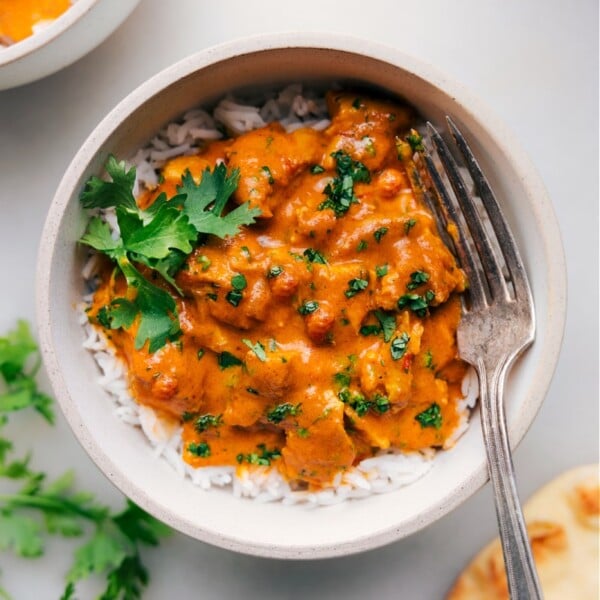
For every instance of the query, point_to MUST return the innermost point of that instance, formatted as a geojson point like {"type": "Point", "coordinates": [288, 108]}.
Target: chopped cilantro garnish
{"type": "Point", "coordinates": [201, 352]}
{"type": "Point", "coordinates": [418, 304]}
{"type": "Point", "coordinates": [379, 233]}
{"type": "Point", "coordinates": [381, 270]}
{"type": "Point", "coordinates": [369, 146]}
{"type": "Point", "coordinates": [356, 286]}
{"type": "Point", "coordinates": [263, 458]}
{"type": "Point", "coordinates": [160, 237]}
{"type": "Point", "coordinates": [387, 322]}
{"type": "Point", "coordinates": [308, 307]}
{"type": "Point", "coordinates": [342, 378]}
{"type": "Point", "coordinates": [356, 103]}
{"type": "Point", "coordinates": [274, 272]}
{"type": "Point", "coordinates": [362, 405]}
{"type": "Point", "coordinates": [381, 403]}
{"type": "Point", "coordinates": [369, 330]}
{"type": "Point", "coordinates": [226, 360]}
{"type": "Point", "coordinates": [204, 422]}
{"type": "Point", "coordinates": [316, 169]}
{"type": "Point", "coordinates": [314, 256]}
{"type": "Point", "coordinates": [238, 282]}
{"type": "Point", "coordinates": [234, 297]}
{"type": "Point", "coordinates": [362, 245]}
{"type": "Point", "coordinates": [340, 191]}
{"type": "Point", "coordinates": [204, 261]}
{"type": "Point", "coordinates": [282, 411]}
{"type": "Point", "coordinates": [428, 360]}
{"type": "Point", "coordinates": [257, 348]}
{"type": "Point", "coordinates": [252, 391]}
{"type": "Point", "coordinates": [202, 449]}
{"type": "Point", "coordinates": [431, 417]}
{"type": "Point", "coordinates": [417, 278]}
{"type": "Point", "coordinates": [267, 172]}
{"type": "Point", "coordinates": [399, 345]}
{"type": "Point", "coordinates": [415, 141]}
{"type": "Point", "coordinates": [409, 225]}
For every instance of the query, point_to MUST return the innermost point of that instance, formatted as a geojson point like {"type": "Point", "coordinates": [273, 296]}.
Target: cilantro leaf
{"type": "Point", "coordinates": [258, 349]}
{"type": "Point", "coordinates": [119, 313]}
{"type": "Point", "coordinates": [107, 549]}
{"type": "Point", "coordinates": [431, 417]}
{"type": "Point", "coordinates": [226, 360]}
{"type": "Point", "coordinates": [139, 526]}
{"type": "Point", "coordinates": [282, 411]}
{"type": "Point", "coordinates": [126, 581]}
{"type": "Point", "coordinates": [399, 346]}
{"type": "Point", "coordinates": [107, 194]}
{"type": "Point", "coordinates": [417, 278]}
{"type": "Point", "coordinates": [21, 534]}
{"type": "Point", "coordinates": [15, 349]}
{"type": "Point", "coordinates": [314, 256]}
{"type": "Point", "coordinates": [201, 449]}
{"type": "Point", "coordinates": [381, 270]}
{"type": "Point", "coordinates": [53, 508]}
{"type": "Point", "coordinates": [168, 230]}
{"type": "Point", "coordinates": [415, 141]}
{"type": "Point", "coordinates": [160, 237]}
{"type": "Point", "coordinates": [157, 317]}
{"type": "Point", "coordinates": [340, 191]}
{"type": "Point", "coordinates": [355, 286]}
{"type": "Point", "coordinates": [99, 237]}
{"type": "Point", "coordinates": [418, 304]}
{"type": "Point", "coordinates": [308, 307]}
{"type": "Point", "coordinates": [214, 189]}
{"type": "Point", "coordinates": [388, 324]}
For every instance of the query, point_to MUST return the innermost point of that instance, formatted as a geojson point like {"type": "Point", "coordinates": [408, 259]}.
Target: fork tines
{"type": "Point", "coordinates": [482, 239]}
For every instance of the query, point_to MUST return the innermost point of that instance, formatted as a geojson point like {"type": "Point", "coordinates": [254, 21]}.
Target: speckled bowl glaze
{"type": "Point", "coordinates": [123, 454]}
{"type": "Point", "coordinates": [72, 35]}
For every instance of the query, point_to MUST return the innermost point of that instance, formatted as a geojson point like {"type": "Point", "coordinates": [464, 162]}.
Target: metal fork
{"type": "Point", "coordinates": [498, 324]}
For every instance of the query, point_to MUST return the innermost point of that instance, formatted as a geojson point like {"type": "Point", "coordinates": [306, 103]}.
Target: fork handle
{"type": "Point", "coordinates": [522, 577]}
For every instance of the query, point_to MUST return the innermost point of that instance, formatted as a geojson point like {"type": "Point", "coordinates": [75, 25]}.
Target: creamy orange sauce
{"type": "Point", "coordinates": [348, 394]}
{"type": "Point", "coordinates": [17, 17]}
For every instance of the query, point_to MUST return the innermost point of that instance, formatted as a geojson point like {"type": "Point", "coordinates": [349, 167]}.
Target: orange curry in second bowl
{"type": "Point", "coordinates": [18, 18]}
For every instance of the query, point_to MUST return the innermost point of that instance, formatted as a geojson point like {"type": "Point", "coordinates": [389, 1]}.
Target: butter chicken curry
{"type": "Point", "coordinates": [325, 331]}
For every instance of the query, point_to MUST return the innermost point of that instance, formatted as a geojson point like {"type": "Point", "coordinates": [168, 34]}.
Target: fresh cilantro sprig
{"type": "Point", "coordinates": [159, 238]}
{"type": "Point", "coordinates": [32, 508]}
{"type": "Point", "coordinates": [19, 364]}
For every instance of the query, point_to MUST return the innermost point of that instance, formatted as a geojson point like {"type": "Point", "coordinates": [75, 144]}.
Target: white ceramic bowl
{"type": "Point", "coordinates": [123, 454]}
{"type": "Point", "coordinates": [78, 30]}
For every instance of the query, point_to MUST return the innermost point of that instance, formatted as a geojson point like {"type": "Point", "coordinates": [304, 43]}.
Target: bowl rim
{"type": "Point", "coordinates": [505, 141]}
{"type": "Point", "coordinates": [39, 39]}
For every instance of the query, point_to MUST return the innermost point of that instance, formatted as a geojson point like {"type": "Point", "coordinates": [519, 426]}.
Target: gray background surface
{"type": "Point", "coordinates": [534, 63]}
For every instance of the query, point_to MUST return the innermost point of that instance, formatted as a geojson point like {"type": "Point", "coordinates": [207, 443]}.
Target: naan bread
{"type": "Point", "coordinates": [563, 524]}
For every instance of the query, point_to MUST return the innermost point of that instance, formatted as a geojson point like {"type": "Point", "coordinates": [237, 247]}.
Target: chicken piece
{"type": "Point", "coordinates": [321, 447]}
{"type": "Point", "coordinates": [268, 157]}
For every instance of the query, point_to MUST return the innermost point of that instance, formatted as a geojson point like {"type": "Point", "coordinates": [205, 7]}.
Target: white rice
{"type": "Point", "coordinates": [388, 470]}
